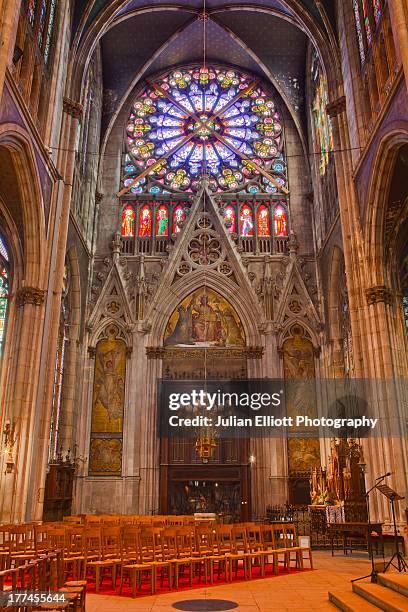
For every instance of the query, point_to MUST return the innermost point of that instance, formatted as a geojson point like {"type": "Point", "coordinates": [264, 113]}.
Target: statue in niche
{"type": "Point", "coordinates": [204, 318]}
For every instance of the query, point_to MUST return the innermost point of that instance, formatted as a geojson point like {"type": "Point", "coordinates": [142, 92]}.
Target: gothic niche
{"type": "Point", "coordinates": [107, 404]}
{"type": "Point", "coordinates": [299, 370]}
{"type": "Point", "coordinates": [204, 319]}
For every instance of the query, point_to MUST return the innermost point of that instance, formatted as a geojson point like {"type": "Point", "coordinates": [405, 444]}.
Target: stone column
{"type": "Point", "coordinates": [20, 409]}
{"type": "Point", "coordinates": [9, 16]}
{"type": "Point", "coordinates": [65, 165]}
{"type": "Point", "coordinates": [399, 23]}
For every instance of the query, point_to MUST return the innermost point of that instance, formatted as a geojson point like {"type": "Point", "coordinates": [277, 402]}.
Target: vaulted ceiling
{"type": "Point", "coordinates": [264, 37]}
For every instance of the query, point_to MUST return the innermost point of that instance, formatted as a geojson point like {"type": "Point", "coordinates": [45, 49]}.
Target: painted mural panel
{"type": "Point", "coordinates": [109, 386]}
{"type": "Point", "coordinates": [204, 318]}
{"type": "Point", "coordinates": [105, 456]}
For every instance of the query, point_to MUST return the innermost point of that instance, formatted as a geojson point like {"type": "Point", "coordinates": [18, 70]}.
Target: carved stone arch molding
{"type": "Point", "coordinates": [14, 138]}
{"type": "Point", "coordinates": [247, 309]}
{"type": "Point", "coordinates": [375, 227]}
{"type": "Point", "coordinates": [111, 329]}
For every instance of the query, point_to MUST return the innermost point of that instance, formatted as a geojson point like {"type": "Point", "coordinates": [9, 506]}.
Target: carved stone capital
{"type": "Point", "coordinates": [92, 352]}
{"type": "Point", "coordinates": [336, 107]}
{"type": "Point", "coordinates": [30, 295]}
{"type": "Point", "coordinates": [379, 293]}
{"type": "Point", "coordinates": [72, 108]}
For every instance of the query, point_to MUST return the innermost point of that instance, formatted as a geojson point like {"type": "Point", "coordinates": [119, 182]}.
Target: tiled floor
{"type": "Point", "coordinates": [305, 592]}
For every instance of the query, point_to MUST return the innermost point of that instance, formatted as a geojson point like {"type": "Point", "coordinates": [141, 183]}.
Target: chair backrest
{"type": "Point", "coordinates": [280, 536]}
{"type": "Point", "coordinates": [254, 537]}
{"type": "Point", "coordinates": [93, 541]}
{"type": "Point", "coordinates": [268, 537]}
{"type": "Point", "coordinates": [224, 538]}
{"type": "Point", "coordinates": [130, 542]}
{"type": "Point", "coordinates": [111, 541]}
{"type": "Point", "coordinates": [205, 539]}
{"type": "Point", "coordinates": [290, 535]}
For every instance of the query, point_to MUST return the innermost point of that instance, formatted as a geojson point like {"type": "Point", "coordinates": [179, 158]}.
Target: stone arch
{"type": "Point", "coordinates": [250, 318]}
{"type": "Point", "coordinates": [379, 189]}
{"type": "Point", "coordinates": [20, 160]}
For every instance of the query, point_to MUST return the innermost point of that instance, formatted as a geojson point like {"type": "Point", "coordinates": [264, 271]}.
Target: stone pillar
{"type": "Point", "coordinates": [399, 23]}
{"type": "Point", "coordinates": [20, 409]}
{"type": "Point", "coordinates": [9, 16]}
{"type": "Point", "coordinates": [65, 165]}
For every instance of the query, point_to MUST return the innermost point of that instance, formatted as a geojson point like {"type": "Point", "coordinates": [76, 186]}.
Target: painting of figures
{"type": "Point", "coordinates": [204, 318]}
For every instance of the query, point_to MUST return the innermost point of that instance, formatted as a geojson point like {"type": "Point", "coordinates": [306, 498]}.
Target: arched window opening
{"type": "Point", "coordinates": [41, 17]}
{"type": "Point", "coordinates": [323, 135]}
{"type": "Point", "coordinates": [280, 221]}
{"type": "Point", "coordinates": [4, 290]}
{"type": "Point", "coordinates": [145, 222]}
{"type": "Point", "coordinates": [162, 221]}
{"type": "Point", "coordinates": [54, 450]}
{"type": "Point", "coordinates": [246, 221]}
{"type": "Point", "coordinates": [128, 222]}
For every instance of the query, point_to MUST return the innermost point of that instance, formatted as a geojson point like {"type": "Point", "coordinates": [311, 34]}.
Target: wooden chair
{"type": "Point", "coordinates": [131, 563]}
{"type": "Point", "coordinates": [230, 546]}
{"type": "Point", "coordinates": [110, 557]}
{"type": "Point", "coordinates": [153, 552]}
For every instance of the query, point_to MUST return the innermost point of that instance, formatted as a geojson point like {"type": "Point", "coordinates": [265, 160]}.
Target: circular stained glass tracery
{"type": "Point", "coordinates": [205, 121]}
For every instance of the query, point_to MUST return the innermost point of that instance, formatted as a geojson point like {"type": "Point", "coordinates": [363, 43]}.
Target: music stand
{"type": "Point", "coordinates": [393, 496]}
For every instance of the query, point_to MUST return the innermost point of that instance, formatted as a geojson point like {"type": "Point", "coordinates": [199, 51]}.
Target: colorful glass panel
{"type": "Point", "coordinates": [377, 11]}
{"type": "Point", "coordinates": [322, 123]}
{"type": "Point", "coordinates": [367, 24]}
{"type": "Point", "coordinates": [128, 222]}
{"type": "Point", "coordinates": [4, 290]}
{"type": "Point", "coordinates": [43, 14]}
{"type": "Point", "coordinates": [31, 6]}
{"type": "Point", "coordinates": [179, 217]}
{"type": "Point", "coordinates": [203, 121]}
{"type": "Point", "coordinates": [230, 219]}
{"type": "Point", "coordinates": [264, 226]}
{"type": "Point", "coordinates": [246, 221]}
{"type": "Point", "coordinates": [280, 221]}
{"type": "Point", "coordinates": [145, 221]}
{"type": "Point", "coordinates": [359, 30]}
{"type": "Point", "coordinates": [162, 221]}
{"type": "Point", "coordinates": [50, 30]}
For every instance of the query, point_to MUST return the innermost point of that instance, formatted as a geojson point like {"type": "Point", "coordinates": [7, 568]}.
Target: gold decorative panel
{"type": "Point", "coordinates": [204, 318]}
{"type": "Point", "coordinates": [105, 456]}
{"type": "Point", "coordinates": [109, 386]}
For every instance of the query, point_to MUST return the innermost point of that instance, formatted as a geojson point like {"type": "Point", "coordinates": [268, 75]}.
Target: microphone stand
{"type": "Point", "coordinates": [373, 573]}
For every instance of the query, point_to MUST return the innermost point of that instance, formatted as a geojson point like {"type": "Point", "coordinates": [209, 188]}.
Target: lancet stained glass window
{"type": "Point", "coordinates": [199, 121]}
{"type": "Point", "coordinates": [322, 123]}
{"type": "Point", "coordinates": [4, 289]}
{"type": "Point", "coordinates": [359, 30]}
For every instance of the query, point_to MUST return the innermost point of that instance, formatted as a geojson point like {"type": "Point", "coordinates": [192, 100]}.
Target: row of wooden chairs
{"type": "Point", "coordinates": [140, 552]}
{"type": "Point", "coordinates": [43, 574]}
{"type": "Point", "coordinates": [131, 519]}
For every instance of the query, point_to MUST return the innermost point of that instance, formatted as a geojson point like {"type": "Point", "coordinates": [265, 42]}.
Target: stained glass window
{"type": "Point", "coordinates": [359, 30]}
{"type": "Point", "coordinates": [367, 24]}
{"type": "Point", "coordinates": [280, 221]}
{"type": "Point", "coordinates": [31, 6]}
{"type": "Point", "coordinates": [50, 29]}
{"type": "Point", "coordinates": [43, 14]}
{"type": "Point", "coordinates": [128, 222]}
{"type": "Point", "coordinates": [264, 227]}
{"type": "Point", "coordinates": [179, 217]}
{"type": "Point", "coordinates": [145, 221]}
{"type": "Point", "coordinates": [322, 123]}
{"type": "Point", "coordinates": [377, 11]}
{"type": "Point", "coordinates": [4, 289]}
{"type": "Point", "coordinates": [246, 221]}
{"type": "Point", "coordinates": [204, 121]}
{"type": "Point", "coordinates": [230, 219]}
{"type": "Point", "coordinates": [162, 221]}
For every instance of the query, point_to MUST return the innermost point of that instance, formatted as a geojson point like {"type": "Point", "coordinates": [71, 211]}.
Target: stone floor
{"type": "Point", "coordinates": [306, 592]}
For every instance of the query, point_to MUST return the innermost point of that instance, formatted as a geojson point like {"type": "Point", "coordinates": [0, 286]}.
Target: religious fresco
{"type": "Point", "coordinates": [109, 386]}
{"type": "Point", "coordinates": [299, 368]}
{"type": "Point", "coordinates": [204, 318]}
{"type": "Point", "coordinates": [303, 453]}
{"type": "Point", "coordinates": [105, 456]}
